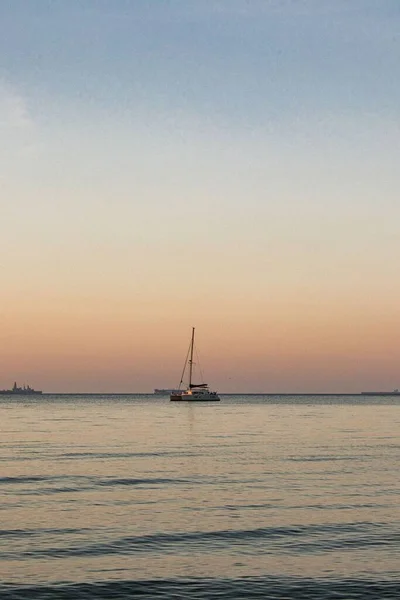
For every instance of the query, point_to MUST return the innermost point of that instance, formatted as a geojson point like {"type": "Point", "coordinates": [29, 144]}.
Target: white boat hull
{"type": "Point", "coordinates": [203, 396]}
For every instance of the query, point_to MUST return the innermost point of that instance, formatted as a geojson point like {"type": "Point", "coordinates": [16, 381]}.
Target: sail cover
{"type": "Point", "coordinates": [198, 385]}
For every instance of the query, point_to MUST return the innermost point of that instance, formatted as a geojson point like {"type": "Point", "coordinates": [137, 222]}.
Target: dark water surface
{"type": "Point", "coordinates": [256, 497]}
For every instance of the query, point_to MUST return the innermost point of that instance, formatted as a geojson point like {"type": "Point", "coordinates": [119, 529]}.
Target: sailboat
{"type": "Point", "coordinates": [195, 392]}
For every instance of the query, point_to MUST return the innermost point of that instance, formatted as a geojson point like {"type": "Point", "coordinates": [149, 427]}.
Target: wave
{"type": "Point", "coordinates": [91, 482]}
{"type": "Point", "coordinates": [249, 588]}
{"type": "Point", "coordinates": [279, 540]}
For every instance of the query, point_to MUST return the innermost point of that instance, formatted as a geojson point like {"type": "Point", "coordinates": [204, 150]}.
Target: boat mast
{"type": "Point", "coordinates": [191, 359]}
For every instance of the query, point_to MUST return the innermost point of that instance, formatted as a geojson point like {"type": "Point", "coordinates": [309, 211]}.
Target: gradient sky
{"type": "Point", "coordinates": [227, 164]}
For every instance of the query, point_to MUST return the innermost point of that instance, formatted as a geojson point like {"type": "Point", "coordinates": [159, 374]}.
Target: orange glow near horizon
{"type": "Point", "coordinates": [286, 347]}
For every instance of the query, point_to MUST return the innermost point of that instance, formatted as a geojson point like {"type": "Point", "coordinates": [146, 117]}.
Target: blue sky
{"type": "Point", "coordinates": [227, 162]}
{"type": "Point", "coordinates": [234, 63]}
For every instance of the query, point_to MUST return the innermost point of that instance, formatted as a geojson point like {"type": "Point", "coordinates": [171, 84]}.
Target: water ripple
{"type": "Point", "coordinates": [260, 540]}
{"type": "Point", "coordinates": [246, 588]}
{"type": "Point", "coordinates": [253, 498]}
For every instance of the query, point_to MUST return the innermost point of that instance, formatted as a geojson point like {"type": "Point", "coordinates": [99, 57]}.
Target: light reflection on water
{"type": "Point", "coordinates": [131, 488]}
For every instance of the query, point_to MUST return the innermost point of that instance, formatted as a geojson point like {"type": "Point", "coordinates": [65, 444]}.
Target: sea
{"type": "Point", "coordinates": [257, 496]}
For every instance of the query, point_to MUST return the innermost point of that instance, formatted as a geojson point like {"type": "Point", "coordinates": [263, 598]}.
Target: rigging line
{"type": "Point", "coordinates": [199, 363]}
{"type": "Point", "coordinates": [184, 368]}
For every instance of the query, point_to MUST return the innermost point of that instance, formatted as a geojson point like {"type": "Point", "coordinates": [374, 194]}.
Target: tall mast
{"type": "Point", "coordinates": [191, 359]}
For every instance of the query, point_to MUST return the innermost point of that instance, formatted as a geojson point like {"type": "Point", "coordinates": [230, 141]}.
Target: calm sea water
{"type": "Point", "coordinates": [254, 497]}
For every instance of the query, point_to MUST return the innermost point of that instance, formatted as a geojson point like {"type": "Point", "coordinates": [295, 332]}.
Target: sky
{"type": "Point", "coordinates": [225, 164]}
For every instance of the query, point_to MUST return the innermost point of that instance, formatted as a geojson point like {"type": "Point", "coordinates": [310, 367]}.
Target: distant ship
{"type": "Point", "coordinates": [165, 392]}
{"type": "Point", "coordinates": [26, 390]}
{"type": "Point", "coordinates": [394, 393]}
